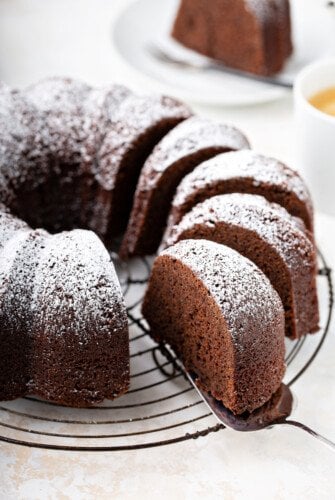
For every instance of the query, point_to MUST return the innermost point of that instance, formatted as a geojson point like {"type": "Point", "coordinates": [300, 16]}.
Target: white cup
{"type": "Point", "coordinates": [316, 134]}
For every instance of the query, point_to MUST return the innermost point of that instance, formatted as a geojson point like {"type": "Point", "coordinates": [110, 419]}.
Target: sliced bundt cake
{"type": "Point", "coordinates": [275, 241]}
{"type": "Point", "coordinates": [65, 150]}
{"type": "Point", "coordinates": [222, 317]}
{"type": "Point", "coordinates": [190, 143]}
{"type": "Point", "coordinates": [242, 172]}
{"type": "Point", "coordinates": [70, 157]}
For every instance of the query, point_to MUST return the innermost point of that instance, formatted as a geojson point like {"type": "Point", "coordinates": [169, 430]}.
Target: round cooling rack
{"type": "Point", "coordinates": [161, 406]}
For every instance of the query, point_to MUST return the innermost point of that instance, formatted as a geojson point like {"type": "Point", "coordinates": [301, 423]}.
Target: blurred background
{"type": "Point", "coordinates": [80, 38]}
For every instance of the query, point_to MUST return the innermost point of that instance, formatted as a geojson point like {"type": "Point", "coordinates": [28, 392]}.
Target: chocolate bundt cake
{"type": "Point", "coordinates": [94, 143]}
{"type": "Point", "coordinates": [70, 158]}
{"type": "Point", "coordinates": [220, 314]}
{"type": "Point", "coordinates": [242, 172]}
{"type": "Point", "coordinates": [65, 148]}
{"type": "Point", "coordinates": [190, 143]}
{"type": "Point", "coordinates": [249, 35]}
{"type": "Point", "coordinates": [269, 236]}
{"type": "Point", "coordinates": [64, 330]}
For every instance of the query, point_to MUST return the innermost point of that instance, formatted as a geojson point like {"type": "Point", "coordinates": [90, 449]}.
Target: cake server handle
{"type": "Point", "coordinates": [310, 431]}
{"type": "Point", "coordinates": [265, 421]}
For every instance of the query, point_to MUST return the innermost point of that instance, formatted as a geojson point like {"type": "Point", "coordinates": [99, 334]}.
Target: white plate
{"type": "Point", "coordinates": [144, 22]}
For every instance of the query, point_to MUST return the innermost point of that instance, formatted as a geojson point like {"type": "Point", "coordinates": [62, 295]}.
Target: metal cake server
{"type": "Point", "coordinates": [273, 415]}
{"type": "Point", "coordinates": [275, 412]}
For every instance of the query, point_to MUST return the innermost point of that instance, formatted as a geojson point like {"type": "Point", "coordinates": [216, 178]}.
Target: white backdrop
{"type": "Point", "coordinates": [72, 37]}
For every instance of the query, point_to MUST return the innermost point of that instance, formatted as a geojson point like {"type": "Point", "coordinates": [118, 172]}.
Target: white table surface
{"type": "Point", "coordinates": [72, 37]}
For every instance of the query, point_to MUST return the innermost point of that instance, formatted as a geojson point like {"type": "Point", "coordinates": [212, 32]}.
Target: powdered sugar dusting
{"type": "Point", "coordinates": [76, 279]}
{"type": "Point", "coordinates": [266, 10]}
{"type": "Point", "coordinates": [8, 253]}
{"type": "Point", "coordinates": [241, 171]}
{"type": "Point", "coordinates": [240, 289]}
{"type": "Point", "coordinates": [58, 129]}
{"type": "Point", "coordinates": [77, 135]}
{"type": "Point", "coordinates": [53, 287]}
{"type": "Point", "coordinates": [177, 153]}
{"type": "Point", "coordinates": [13, 234]}
{"type": "Point", "coordinates": [268, 220]}
{"type": "Point", "coordinates": [247, 164]}
{"type": "Point", "coordinates": [133, 118]}
{"type": "Point", "coordinates": [16, 141]}
{"type": "Point", "coordinates": [64, 286]}
{"type": "Point", "coordinates": [191, 136]}
{"type": "Point", "coordinates": [60, 103]}
{"type": "Point", "coordinates": [132, 123]}
{"type": "Point", "coordinates": [19, 270]}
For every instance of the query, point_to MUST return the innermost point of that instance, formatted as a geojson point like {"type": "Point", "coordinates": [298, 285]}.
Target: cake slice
{"type": "Point", "coordinates": [134, 129]}
{"type": "Point", "coordinates": [242, 172]}
{"type": "Point", "coordinates": [222, 317]}
{"type": "Point", "coordinates": [189, 144]}
{"type": "Point", "coordinates": [269, 236]}
{"type": "Point", "coordinates": [249, 35]}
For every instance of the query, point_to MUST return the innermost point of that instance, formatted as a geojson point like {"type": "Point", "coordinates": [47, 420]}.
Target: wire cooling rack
{"type": "Point", "coordinates": [161, 406]}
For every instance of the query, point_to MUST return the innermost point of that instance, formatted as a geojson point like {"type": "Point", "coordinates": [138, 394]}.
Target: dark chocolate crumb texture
{"type": "Point", "coordinates": [269, 236]}
{"type": "Point", "coordinates": [222, 316]}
